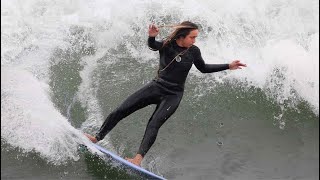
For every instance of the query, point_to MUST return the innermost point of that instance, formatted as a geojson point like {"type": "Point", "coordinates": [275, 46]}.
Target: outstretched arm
{"type": "Point", "coordinates": [152, 43]}
{"type": "Point", "coordinates": [209, 68]}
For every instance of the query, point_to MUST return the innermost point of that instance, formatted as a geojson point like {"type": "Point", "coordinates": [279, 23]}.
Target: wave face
{"type": "Point", "coordinates": [65, 65]}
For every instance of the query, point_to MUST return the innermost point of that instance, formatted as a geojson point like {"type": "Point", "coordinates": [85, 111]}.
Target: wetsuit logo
{"type": "Point", "coordinates": [178, 58]}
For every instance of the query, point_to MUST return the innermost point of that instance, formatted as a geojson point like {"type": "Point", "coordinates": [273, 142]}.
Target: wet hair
{"type": "Point", "coordinates": [181, 30]}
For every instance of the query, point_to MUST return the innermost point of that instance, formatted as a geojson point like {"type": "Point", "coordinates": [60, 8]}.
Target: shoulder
{"type": "Point", "coordinates": [195, 50]}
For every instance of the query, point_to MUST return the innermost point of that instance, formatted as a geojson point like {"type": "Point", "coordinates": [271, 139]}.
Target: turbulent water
{"type": "Point", "coordinates": [65, 65]}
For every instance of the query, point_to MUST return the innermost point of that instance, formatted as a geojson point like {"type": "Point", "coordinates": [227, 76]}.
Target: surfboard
{"type": "Point", "coordinates": [127, 164]}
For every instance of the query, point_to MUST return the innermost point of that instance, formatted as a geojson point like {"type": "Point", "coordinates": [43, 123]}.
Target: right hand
{"type": "Point", "coordinates": [153, 30]}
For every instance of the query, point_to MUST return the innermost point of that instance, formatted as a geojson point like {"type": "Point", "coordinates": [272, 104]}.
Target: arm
{"type": "Point", "coordinates": [207, 68]}
{"type": "Point", "coordinates": [152, 43]}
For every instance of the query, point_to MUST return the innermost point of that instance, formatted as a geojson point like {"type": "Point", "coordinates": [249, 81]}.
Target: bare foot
{"type": "Point", "coordinates": [136, 160]}
{"type": "Point", "coordinates": [92, 138]}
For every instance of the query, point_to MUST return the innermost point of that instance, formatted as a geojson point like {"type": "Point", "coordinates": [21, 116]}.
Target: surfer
{"type": "Point", "coordinates": [177, 55]}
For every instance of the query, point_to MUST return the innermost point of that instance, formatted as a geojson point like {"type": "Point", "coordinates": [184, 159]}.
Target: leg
{"type": "Point", "coordinates": [163, 111]}
{"type": "Point", "coordinates": [143, 97]}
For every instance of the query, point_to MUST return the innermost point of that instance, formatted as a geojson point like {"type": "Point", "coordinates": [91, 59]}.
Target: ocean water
{"type": "Point", "coordinates": [65, 65]}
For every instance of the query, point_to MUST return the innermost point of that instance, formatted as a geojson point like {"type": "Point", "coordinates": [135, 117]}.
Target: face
{"type": "Point", "coordinates": [190, 39]}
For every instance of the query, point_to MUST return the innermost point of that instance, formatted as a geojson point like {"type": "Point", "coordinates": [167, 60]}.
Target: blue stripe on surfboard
{"type": "Point", "coordinates": [127, 163]}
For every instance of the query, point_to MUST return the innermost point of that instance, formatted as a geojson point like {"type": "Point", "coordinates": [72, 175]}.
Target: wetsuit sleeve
{"type": "Point", "coordinates": [206, 68]}
{"type": "Point", "coordinates": [153, 44]}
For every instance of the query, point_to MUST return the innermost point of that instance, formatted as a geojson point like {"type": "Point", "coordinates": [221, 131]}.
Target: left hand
{"type": "Point", "coordinates": [236, 64]}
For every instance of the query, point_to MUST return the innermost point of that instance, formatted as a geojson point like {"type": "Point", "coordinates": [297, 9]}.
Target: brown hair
{"type": "Point", "coordinates": [181, 30]}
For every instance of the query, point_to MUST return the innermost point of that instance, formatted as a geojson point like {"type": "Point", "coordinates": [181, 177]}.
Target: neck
{"type": "Point", "coordinates": [179, 42]}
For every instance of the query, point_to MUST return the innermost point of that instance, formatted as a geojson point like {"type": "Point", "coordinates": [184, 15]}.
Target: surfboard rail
{"type": "Point", "coordinates": [127, 163]}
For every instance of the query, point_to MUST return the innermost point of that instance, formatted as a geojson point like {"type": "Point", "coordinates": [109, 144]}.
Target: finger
{"type": "Point", "coordinates": [239, 63]}
{"type": "Point", "coordinates": [155, 27]}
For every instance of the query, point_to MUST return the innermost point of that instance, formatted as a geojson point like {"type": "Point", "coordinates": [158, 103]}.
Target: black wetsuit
{"type": "Point", "coordinates": [165, 91]}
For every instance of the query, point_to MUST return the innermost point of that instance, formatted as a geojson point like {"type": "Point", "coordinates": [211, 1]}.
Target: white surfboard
{"type": "Point", "coordinates": [147, 174]}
